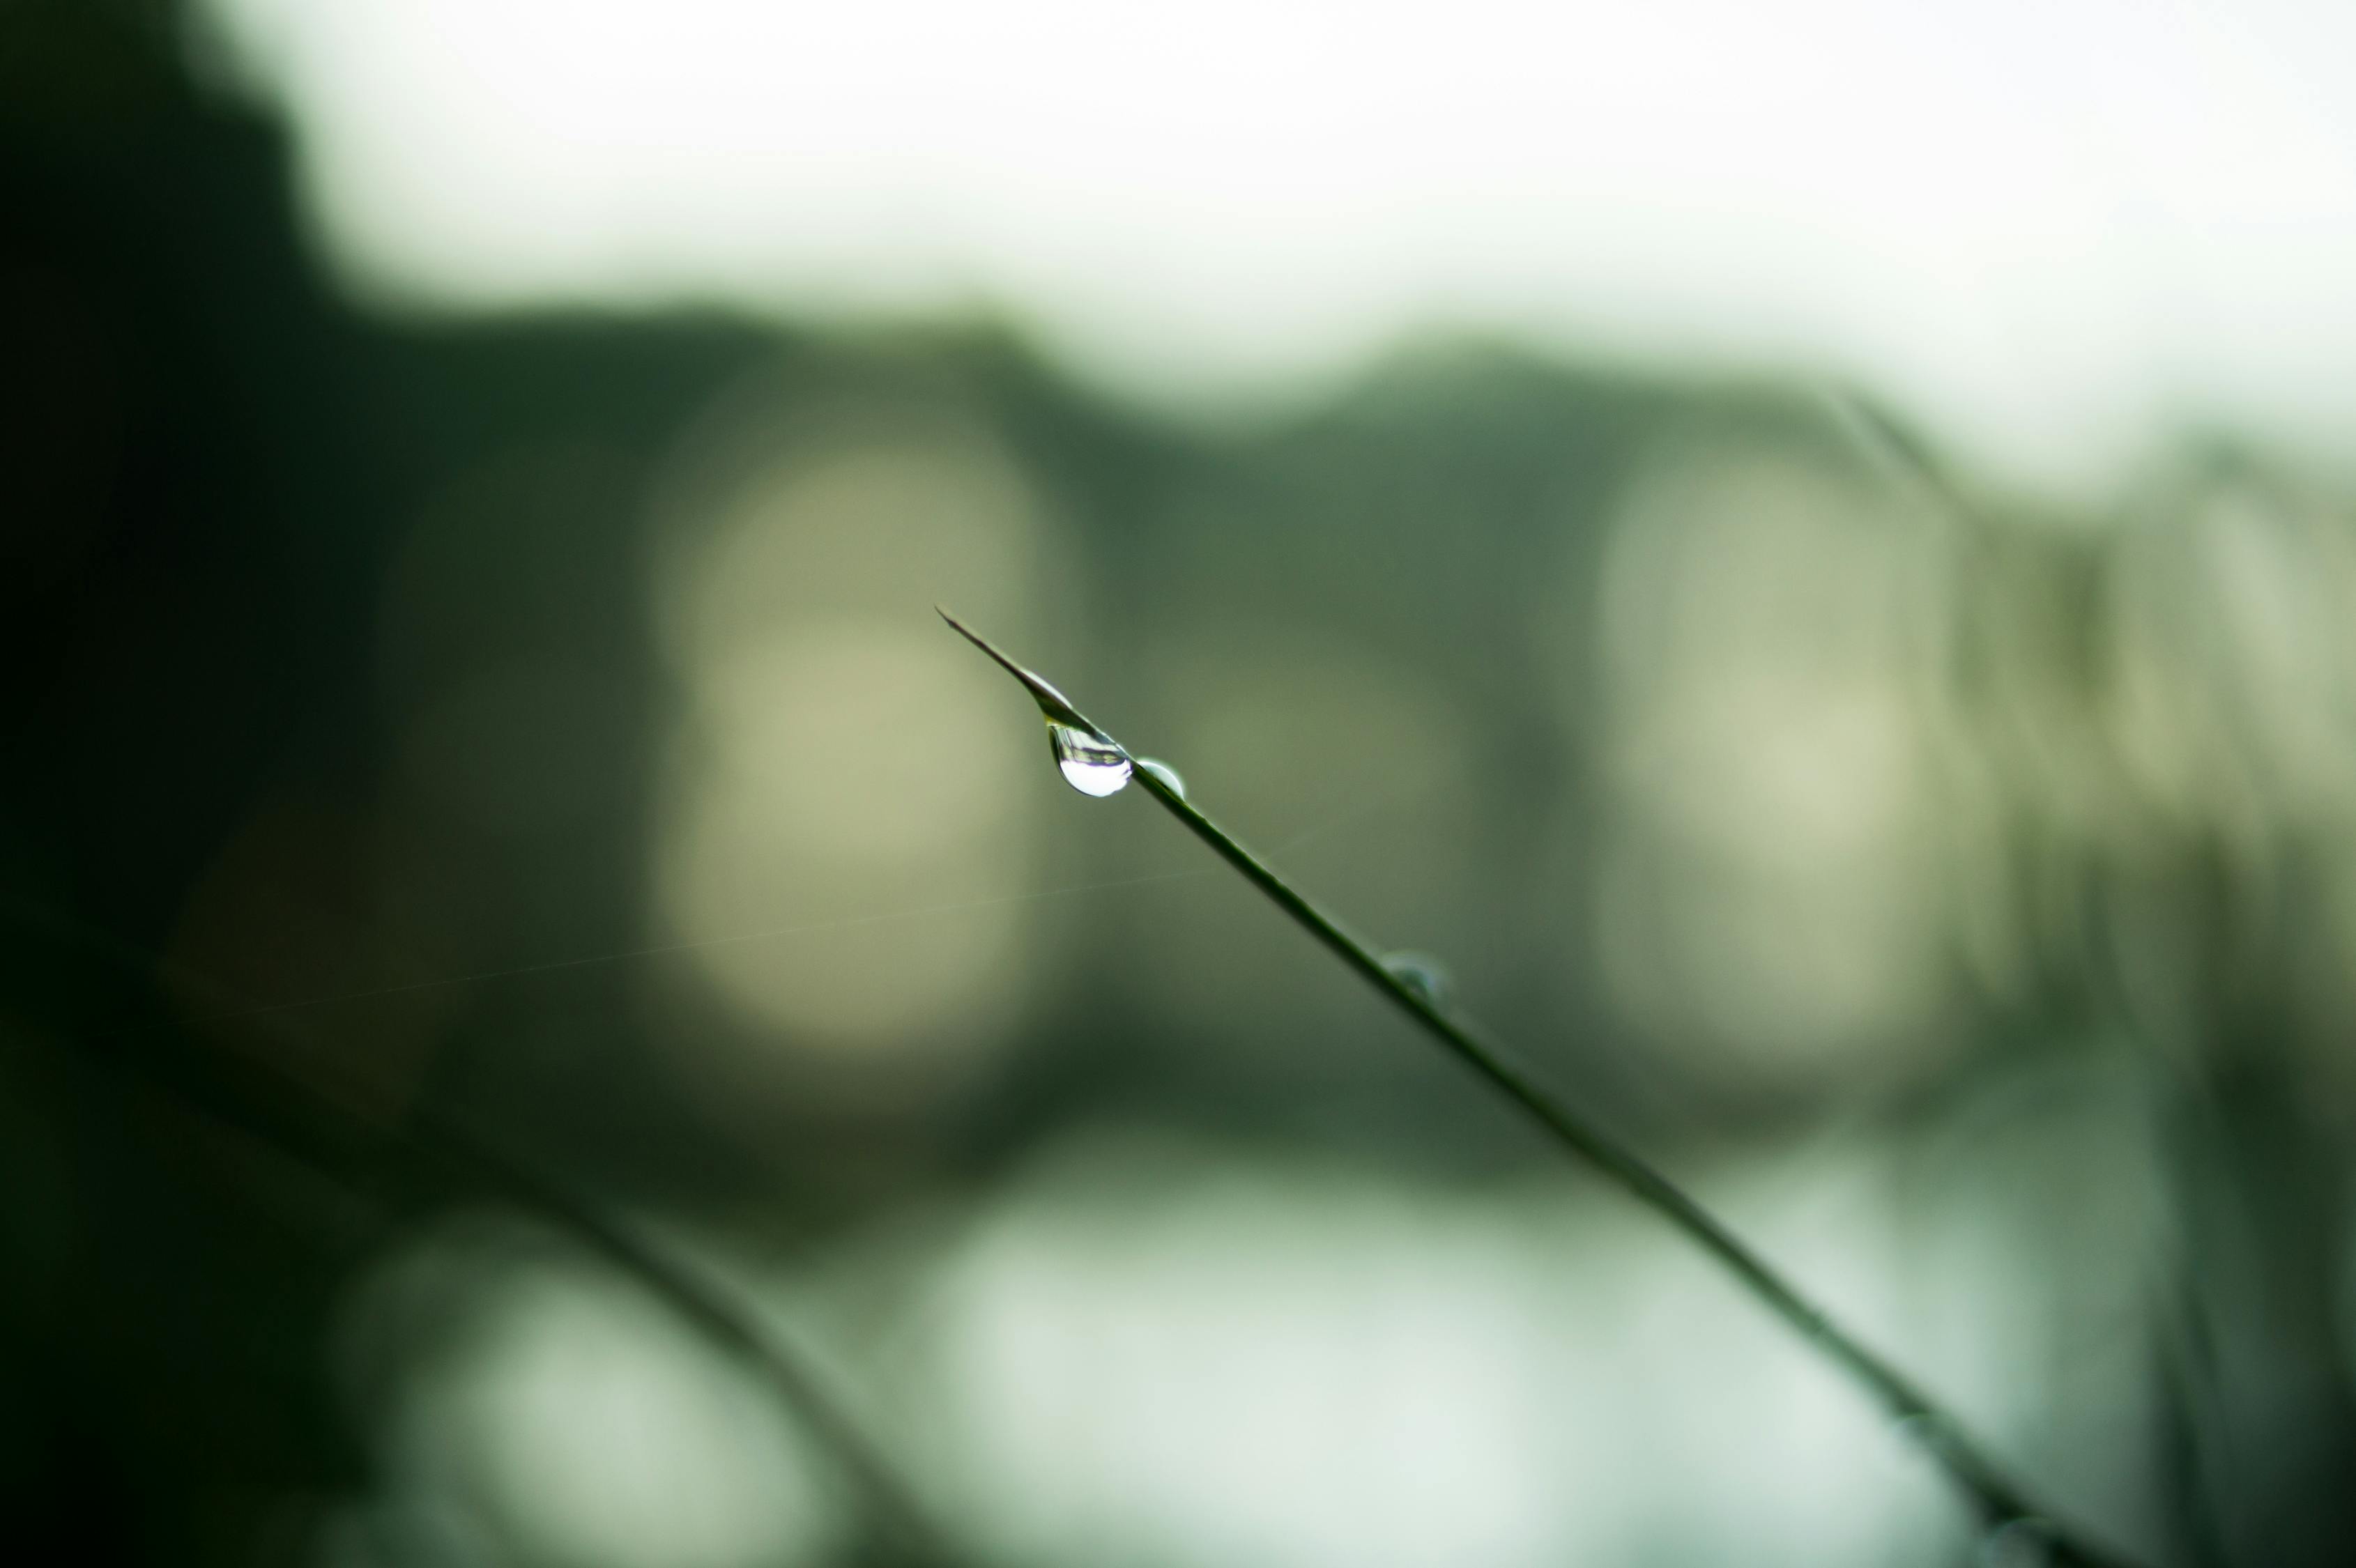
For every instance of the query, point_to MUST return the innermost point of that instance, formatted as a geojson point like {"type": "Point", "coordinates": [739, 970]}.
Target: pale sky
{"type": "Point", "coordinates": [2054, 230]}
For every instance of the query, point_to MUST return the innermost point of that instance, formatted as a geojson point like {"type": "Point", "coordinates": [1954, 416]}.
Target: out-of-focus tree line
{"type": "Point", "coordinates": [542, 720]}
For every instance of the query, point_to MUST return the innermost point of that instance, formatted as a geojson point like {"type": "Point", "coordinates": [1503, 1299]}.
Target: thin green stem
{"type": "Point", "coordinates": [1985, 1484]}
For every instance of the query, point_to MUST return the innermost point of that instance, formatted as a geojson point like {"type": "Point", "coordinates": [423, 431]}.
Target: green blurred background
{"type": "Point", "coordinates": [533, 720]}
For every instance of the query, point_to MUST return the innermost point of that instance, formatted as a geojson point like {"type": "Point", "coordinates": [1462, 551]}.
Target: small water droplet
{"type": "Point", "coordinates": [1165, 772]}
{"type": "Point", "coordinates": [2018, 1544]}
{"type": "Point", "coordinates": [1425, 976]}
{"type": "Point", "coordinates": [1090, 763]}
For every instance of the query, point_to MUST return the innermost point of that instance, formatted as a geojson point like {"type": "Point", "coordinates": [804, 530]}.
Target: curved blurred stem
{"type": "Point", "coordinates": [1986, 1486]}
{"type": "Point", "coordinates": [291, 1116]}
{"type": "Point", "coordinates": [2198, 1423]}
{"type": "Point", "coordinates": [2190, 1408]}
{"type": "Point", "coordinates": [700, 1305]}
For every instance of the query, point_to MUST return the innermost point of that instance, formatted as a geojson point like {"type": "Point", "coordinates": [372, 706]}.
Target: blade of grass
{"type": "Point", "coordinates": [1989, 1489]}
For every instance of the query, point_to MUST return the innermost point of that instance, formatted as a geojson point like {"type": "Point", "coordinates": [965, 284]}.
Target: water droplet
{"type": "Point", "coordinates": [1090, 763]}
{"type": "Point", "coordinates": [2018, 1544]}
{"type": "Point", "coordinates": [1425, 976]}
{"type": "Point", "coordinates": [1165, 772]}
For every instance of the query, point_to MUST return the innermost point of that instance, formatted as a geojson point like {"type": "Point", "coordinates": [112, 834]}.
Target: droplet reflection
{"type": "Point", "coordinates": [1090, 763]}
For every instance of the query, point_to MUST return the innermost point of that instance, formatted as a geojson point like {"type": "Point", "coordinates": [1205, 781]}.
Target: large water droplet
{"type": "Point", "coordinates": [1425, 976]}
{"type": "Point", "coordinates": [1165, 772]}
{"type": "Point", "coordinates": [1090, 763]}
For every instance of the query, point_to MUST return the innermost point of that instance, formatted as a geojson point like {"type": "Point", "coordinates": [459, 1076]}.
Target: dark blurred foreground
{"type": "Point", "coordinates": [1963, 899]}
